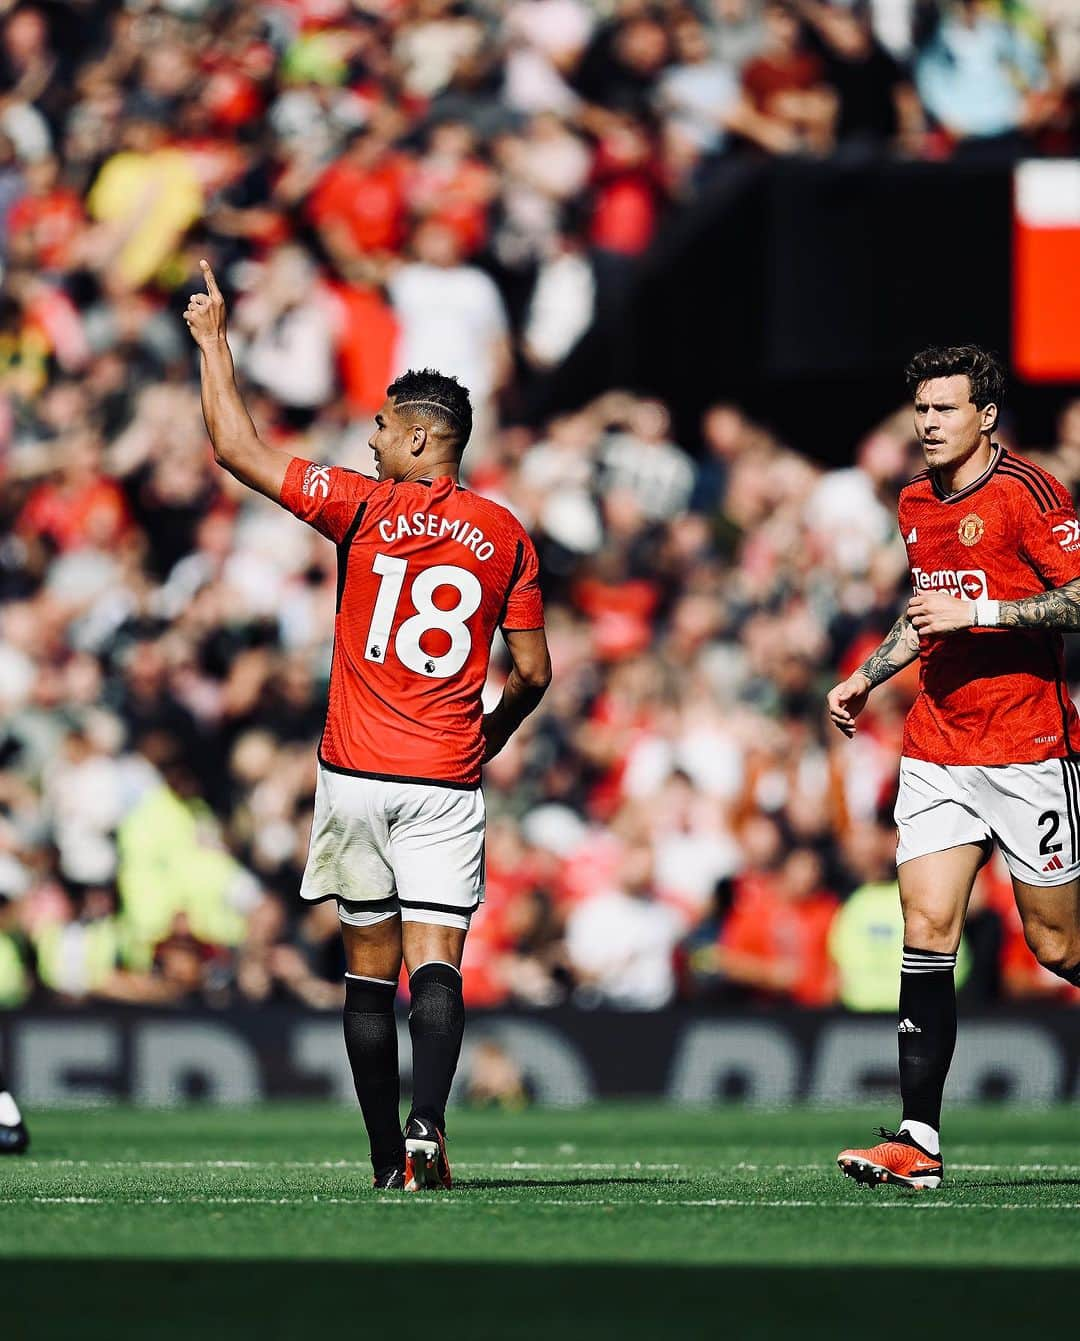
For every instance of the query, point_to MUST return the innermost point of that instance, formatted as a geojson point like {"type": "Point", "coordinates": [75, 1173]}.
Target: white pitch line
{"type": "Point", "coordinates": [953, 1168]}
{"type": "Point", "coordinates": [508, 1166]}
{"type": "Point", "coordinates": [1016, 1168]}
{"type": "Point", "coordinates": [719, 1203]}
{"type": "Point", "coordinates": [514, 1166]}
{"type": "Point", "coordinates": [598, 1168]}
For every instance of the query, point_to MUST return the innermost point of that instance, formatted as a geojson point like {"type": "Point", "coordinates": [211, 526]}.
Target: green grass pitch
{"type": "Point", "coordinates": [627, 1220]}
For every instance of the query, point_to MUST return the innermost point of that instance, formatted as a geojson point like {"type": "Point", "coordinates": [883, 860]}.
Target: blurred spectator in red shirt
{"type": "Point", "coordinates": [620, 716]}
{"type": "Point", "coordinates": [786, 81]}
{"type": "Point", "coordinates": [451, 185]}
{"type": "Point", "coordinates": [80, 505]}
{"type": "Point", "coordinates": [513, 953]}
{"type": "Point", "coordinates": [627, 187]}
{"type": "Point", "coordinates": [365, 336]}
{"type": "Point", "coordinates": [237, 70]}
{"type": "Point", "coordinates": [360, 205]}
{"type": "Point", "coordinates": [44, 227]}
{"type": "Point", "coordinates": [48, 311]}
{"type": "Point", "coordinates": [776, 939]}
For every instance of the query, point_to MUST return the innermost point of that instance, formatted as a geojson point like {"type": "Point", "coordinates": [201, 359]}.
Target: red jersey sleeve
{"type": "Point", "coordinates": [524, 604]}
{"type": "Point", "coordinates": [324, 202]}
{"type": "Point", "coordinates": [1050, 533]}
{"type": "Point", "coordinates": [326, 497]}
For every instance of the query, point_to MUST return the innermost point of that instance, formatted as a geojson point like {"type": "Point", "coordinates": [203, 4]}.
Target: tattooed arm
{"type": "Point", "coordinates": [898, 649]}
{"type": "Point", "coordinates": [936, 612]}
{"type": "Point", "coordinates": [1057, 609]}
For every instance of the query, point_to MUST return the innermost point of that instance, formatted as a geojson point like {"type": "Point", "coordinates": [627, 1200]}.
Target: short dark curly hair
{"type": "Point", "coordinates": [442, 398]}
{"type": "Point", "coordinates": [983, 370]}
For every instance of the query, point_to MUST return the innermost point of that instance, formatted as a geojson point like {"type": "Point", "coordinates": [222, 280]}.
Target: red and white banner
{"type": "Point", "coordinates": [1046, 271]}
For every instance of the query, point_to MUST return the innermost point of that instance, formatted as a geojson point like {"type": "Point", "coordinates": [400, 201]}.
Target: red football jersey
{"type": "Point", "coordinates": [426, 573]}
{"type": "Point", "coordinates": [991, 696]}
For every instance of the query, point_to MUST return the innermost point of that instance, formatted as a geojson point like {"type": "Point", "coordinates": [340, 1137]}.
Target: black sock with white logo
{"type": "Point", "coordinates": [371, 1043]}
{"type": "Point", "coordinates": [927, 1036]}
{"type": "Point", "coordinates": [436, 1023]}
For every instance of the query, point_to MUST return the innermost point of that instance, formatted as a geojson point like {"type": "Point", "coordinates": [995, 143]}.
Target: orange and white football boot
{"type": "Point", "coordinates": [426, 1165]}
{"type": "Point", "coordinates": [898, 1159]}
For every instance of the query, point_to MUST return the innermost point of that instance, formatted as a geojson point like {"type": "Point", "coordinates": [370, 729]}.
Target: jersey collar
{"type": "Point", "coordinates": [429, 483]}
{"type": "Point", "coordinates": [968, 490]}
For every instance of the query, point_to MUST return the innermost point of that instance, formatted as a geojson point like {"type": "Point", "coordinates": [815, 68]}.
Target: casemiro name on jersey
{"type": "Point", "coordinates": [430, 524]}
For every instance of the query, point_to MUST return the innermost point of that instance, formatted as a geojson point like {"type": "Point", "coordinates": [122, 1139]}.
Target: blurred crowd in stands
{"type": "Point", "coordinates": [455, 184]}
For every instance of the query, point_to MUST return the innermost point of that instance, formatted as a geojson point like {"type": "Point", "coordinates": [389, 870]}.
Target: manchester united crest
{"type": "Point", "coordinates": [971, 529]}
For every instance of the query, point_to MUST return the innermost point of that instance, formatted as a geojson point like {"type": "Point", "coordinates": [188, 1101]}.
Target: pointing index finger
{"type": "Point", "coordinates": [211, 283]}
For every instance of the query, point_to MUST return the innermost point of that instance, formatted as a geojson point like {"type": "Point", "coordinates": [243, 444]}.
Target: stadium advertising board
{"type": "Point", "coordinates": [564, 1057]}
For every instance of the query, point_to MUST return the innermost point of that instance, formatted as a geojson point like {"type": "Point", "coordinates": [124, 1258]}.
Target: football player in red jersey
{"type": "Point", "coordinates": [991, 743]}
{"type": "Point", "coordinates": [427, 572]}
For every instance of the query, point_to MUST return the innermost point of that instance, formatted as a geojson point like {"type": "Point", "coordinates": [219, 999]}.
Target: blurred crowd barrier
{"type": "Point", "coordinates": [465, 185]}
{"type": "Point", "coordinates": [564, 1058]}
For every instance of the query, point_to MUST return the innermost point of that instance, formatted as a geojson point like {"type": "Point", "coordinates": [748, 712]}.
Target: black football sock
{"type": "Point", "coordinates": [371, 1042]}
{"type": "Point", "coordinates": [926, 1034]}
{"type": "Point", "coordinates": [436, 1023]}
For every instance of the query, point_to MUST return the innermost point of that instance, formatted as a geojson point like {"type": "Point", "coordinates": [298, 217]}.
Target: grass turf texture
{"type": "Point", "coordinates": [208, 1222]}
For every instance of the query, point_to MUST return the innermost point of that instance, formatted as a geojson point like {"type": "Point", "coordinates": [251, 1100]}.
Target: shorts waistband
{"type": "Point", "coordinates": [446, 783]}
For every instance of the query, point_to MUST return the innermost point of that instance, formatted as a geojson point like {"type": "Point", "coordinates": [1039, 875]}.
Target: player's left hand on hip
{"type": "Point", "coordinates": [205, 312]}
{"type": "Point", "coordinates": [494, 737]}
{"type": "Point", "coordinates": [491, 749]}
{"type": "Point", "coordinates": [936, 612]}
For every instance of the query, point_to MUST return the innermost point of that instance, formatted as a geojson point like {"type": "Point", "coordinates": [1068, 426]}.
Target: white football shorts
{"type": "Point", "coordinates": [1032, 812]}
{"type": "Point", "coordinates": [384, 848]}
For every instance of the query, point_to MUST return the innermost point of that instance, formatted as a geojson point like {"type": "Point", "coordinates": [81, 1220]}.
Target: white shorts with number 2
{"type": "Point", "coordinates": [1032, 812]}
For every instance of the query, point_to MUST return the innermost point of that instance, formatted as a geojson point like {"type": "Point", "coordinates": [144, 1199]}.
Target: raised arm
{"type": "Point", "coordinates": [237, 446]}
{"type": "Point", "coordinates": [529, 678]}
{"type": "Point", "coordinates": [898, 649]}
